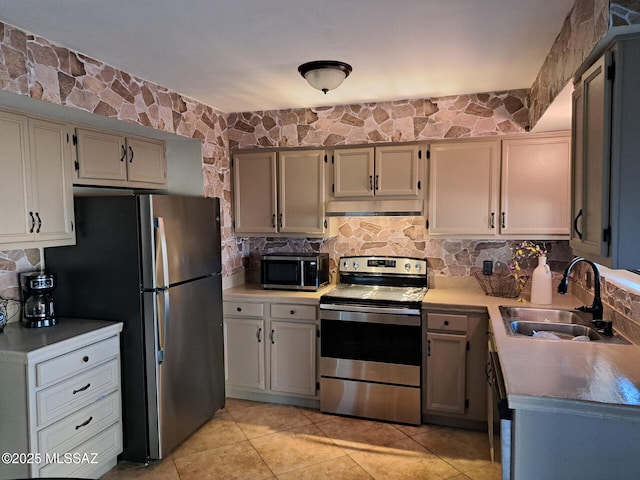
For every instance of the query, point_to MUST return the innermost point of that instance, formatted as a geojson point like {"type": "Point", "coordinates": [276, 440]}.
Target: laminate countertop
{"type": "Point", "coordinates": [587, 378]}
{"type": "Point", "coordinates": [584, 378]}
{"type": "Point", "coordinates": [22, 345]}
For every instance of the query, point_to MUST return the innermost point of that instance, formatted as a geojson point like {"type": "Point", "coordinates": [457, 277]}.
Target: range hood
{"type": "Point", "coordinates": [369, 208]}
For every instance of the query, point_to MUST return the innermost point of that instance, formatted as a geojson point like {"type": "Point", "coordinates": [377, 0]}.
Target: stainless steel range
{"type": "Point", "coordinates": [371, 348]}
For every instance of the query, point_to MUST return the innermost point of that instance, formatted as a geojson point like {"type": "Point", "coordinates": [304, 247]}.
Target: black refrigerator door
{"type": "Point", "coordinates": [180, 238]}
{"type": "Point", "coordinates": [186, 375]}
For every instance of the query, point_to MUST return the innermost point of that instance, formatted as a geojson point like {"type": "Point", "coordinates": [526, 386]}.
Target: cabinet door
{"type": "Point", "coordinates": [15, 194]}
{"type": "Point", "coordinates": [244, 360]}
{"type": "Point", "coordinates": [463, 188]}
{"type": "Point", "coordinates": [396, 171]}
{"type": "Point", "coordinates": [293, 357]}
{"type": "Point", "coordinates": [353, 172]}
{"type": "Point", "coordinates": [535, 193]}
{"type": "Point", "coordinates": [53, 183]}
{"type": "Point", "coordinates": [254, 195]}
{"type": "Point", "coordinates": [591, 222]}
{"type": "Point", "coordinates": [301, 192]}
{"type": "Point", "coordinates": [146, 161]}
{"type": "Point", "coordinates": [446, 372]}
{"type": "Point", "coordinates": [101, 156]}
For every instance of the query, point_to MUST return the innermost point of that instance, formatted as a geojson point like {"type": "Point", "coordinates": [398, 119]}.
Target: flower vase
{"type": "Point", "coordinates": [541, 283]}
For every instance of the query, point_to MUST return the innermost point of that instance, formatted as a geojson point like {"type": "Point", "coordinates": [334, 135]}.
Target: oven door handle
{"type": "Point", "coordinates": [369, 309]}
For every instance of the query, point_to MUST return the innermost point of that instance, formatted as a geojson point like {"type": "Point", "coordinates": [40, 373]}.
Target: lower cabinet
{"type": "Point", "coordinates": [454, 368]}
{"type": "Point", "coordinates": [61, 416]}
{"type": "Point", "coordinates": [271, 351]}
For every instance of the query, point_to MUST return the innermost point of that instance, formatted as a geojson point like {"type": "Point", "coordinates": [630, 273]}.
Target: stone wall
{"type": "Point", "coordinates": [32, 66]}
{"type": "Point", "coordinates": [587, 23]}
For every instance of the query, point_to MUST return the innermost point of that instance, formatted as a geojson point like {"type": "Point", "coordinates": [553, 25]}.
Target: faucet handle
{"type": "Point", "coordinates": [604, 326]}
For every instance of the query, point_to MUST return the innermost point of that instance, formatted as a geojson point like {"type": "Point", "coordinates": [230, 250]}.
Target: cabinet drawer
{"type": "Point", "coordinates": [303, 312]}
{"type": "Point", "coordinates": [447, 321]}
{"type": "Point", "coordinates": [243, 309]}
{"type": "Point", "coordinates": [71, 431]}
{"type": "Point", "coordinates": [87, 457]}
{"type": "Point", "coordinates": [68, 396]}
{"type": "Point", "coordinates": [76, 361]}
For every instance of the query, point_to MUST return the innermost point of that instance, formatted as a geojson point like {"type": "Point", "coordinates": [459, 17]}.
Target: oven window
{"type": "Point", "coordinates": [376, 342]}
{"type": "Point", "coordinates": [281, 272]}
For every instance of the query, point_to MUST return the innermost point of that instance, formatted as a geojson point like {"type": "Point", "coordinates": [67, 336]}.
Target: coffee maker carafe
{"type": "Point", "coordinates": [37, 299]}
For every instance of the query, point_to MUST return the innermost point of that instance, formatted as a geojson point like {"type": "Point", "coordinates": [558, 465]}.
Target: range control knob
{"type": "Point", "coordinates": [356, 265]}
{"type": "Point", "coordinates": [345, 264]}
{"type": "Point", "coordinates": [418, 267]}
{"type": "Point", "coordinates": [407, 266]}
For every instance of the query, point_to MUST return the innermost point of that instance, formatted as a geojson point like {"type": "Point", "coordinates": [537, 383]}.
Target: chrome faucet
{"type": "Point", "coordinates": [596, 307]}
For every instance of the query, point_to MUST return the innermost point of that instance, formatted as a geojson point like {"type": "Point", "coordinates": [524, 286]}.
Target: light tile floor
{"type": "Point", "coordinates": [252, 440]}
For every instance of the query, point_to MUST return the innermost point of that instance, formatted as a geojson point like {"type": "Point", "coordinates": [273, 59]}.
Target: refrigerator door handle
{"type": "Point", "coordinates": [162, 259]}
{"type": "Point", "coordinates": [162, 283]}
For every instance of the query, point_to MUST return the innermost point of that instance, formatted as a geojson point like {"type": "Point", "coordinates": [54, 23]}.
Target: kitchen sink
{"type": "Point", "coordinates": [554, 324]}
{"type": "Point", "coordinates": [555, 331]}
{"type": "Point", "coordinates": [546, 315]}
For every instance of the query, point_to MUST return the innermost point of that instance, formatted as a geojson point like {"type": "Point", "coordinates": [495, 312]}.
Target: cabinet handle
{"type": "Point", "coordinates": [85, 359]}
{"type": "Point", "coordinates": [273, 220]}
{"type": "Point", "coordinates": [492, 220]}
{"type": "Point", "coordinates": [84, 424]}
{"type": "Point", "coordinates": [504, 220]}
{"type": "Point", "coordinates": [281, 220]}
{"type": "Point", "coordinates": [39, 222]}
{"type": "Point", "coordinates": [82, 389]}
{"type": "Point", "coordinates": [272, 336]}
{"type": "Point", "coordinates": [446, 322]}
{"type": "Point", "coordinates": [33, 222]}
{"type": "Point", "coordinates": [377, 182]}
{"type": "Point", "coordinates": [428, 348]}
{"type": "Point", "coordinates": [370, 182]}
{"type": "Point", "coordinates": [124, 153]}
{"type": "Point", "coordinates": [575, 224]}
{"type": "Point", "coordinates": [259, 335]}
{"type": "Point", "coordinates": [131, 157]}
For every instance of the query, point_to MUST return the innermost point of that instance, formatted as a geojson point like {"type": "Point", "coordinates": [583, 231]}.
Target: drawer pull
{"type": "Point", "coordinates": [239, 309]}
{"type": "Point", "coordinates": [84, 424]}
{"type": "Point", "coordinates": [85, 359]}
{"type": "Point", "coordinates": [292, 312]}
{"type": "Point", "coordinates": [82, 389]}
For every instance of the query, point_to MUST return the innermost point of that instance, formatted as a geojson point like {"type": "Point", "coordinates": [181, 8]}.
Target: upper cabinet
{"type": "Point", "coordinates": [389, 171]}
{"type": "Point", "coordinates": [111, 159]}
{"type": "Point", "coordinates": [280, 193]}
{"type": "Point", "coordinates": [535, 186]}
{"type": "Point", "coordinates": [515, 187]}
{"type": "Point", "coordinates": [463, 188]}
{"type": "Point", "coordinates": [37, 192]}
{"type": "Point", "coordinates": [606, 196]}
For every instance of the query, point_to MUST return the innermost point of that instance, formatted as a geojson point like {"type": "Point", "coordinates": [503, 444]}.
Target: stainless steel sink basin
{"type": "Point", "coordinates": [555, 324]}
{"type": "Point", "coordinates": [555, 331]}
{"type": "Point", "coordinates": [547, 315]}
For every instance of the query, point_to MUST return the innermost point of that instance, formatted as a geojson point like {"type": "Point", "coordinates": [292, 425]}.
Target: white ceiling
{"type": "Point", "coordinates": [242, 55]}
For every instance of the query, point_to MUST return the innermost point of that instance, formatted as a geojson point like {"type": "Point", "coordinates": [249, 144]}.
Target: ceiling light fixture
{"type": "Point", "coordinates": [325, 75]}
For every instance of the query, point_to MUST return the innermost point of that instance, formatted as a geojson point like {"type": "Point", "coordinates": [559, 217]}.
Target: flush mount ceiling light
{"type": "Point", "coordinates": [325, 75]}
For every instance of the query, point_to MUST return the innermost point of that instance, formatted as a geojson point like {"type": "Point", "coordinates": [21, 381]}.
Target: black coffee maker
{"type": "Point", "coordinates": [37, 299]}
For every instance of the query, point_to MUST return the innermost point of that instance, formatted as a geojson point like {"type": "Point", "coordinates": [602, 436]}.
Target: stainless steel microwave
{"type": "Point", "coordinates": [295, 271]}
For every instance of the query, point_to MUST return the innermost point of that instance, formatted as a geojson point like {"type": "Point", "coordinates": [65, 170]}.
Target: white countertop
{"type": "Point", "coordinates": [584, 378]}
{"type": "Point", "coordinates": [21, 345]}
{"type": "Point", "coordinates": [588, 378]}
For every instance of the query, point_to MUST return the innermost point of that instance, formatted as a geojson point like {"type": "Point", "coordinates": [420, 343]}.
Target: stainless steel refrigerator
{"type": "Point", "coordinates": [153, 263]}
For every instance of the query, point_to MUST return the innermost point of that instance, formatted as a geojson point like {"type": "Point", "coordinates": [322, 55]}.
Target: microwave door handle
{"type": "Point", "coordinates": [302, 276]}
